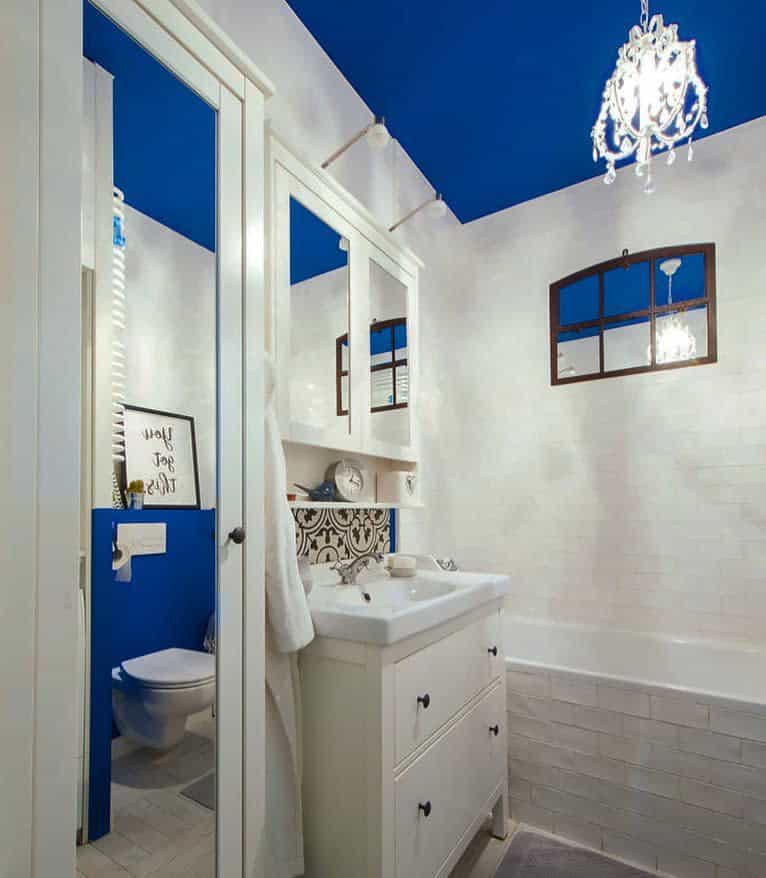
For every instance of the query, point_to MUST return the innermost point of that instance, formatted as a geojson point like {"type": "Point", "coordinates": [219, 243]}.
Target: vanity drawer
{"type": "Point", "coordinates": [440, 795]}
{"type": "Point", "coordinates": [433, 684]}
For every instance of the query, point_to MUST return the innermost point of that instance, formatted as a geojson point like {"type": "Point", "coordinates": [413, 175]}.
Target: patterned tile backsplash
{"type": "Point", "coordinates": [326, 535]}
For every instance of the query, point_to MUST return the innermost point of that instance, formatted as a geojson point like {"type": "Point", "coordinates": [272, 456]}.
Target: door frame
{"type": "Point", "coordinates": [42, 80]}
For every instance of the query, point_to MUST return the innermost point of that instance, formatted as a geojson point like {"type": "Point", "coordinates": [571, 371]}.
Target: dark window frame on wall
{"type": "Point", "coordinates": [395, 364]}
{"type": "Point", "coordinates": [603, 322]}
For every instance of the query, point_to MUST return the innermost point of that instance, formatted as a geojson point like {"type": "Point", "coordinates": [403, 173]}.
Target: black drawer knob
{"type": "Point", "coordinates": [495, 730]}
{"type": "Point", "coordinates": [493, 651]}
{"type": "Point", "coordinates": [425, 700]}
{"type": "Point", "coordinates": [425, 808]}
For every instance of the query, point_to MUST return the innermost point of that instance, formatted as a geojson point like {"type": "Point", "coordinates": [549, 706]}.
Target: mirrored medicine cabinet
{"type": "Point", "coordinates": [342, 317]}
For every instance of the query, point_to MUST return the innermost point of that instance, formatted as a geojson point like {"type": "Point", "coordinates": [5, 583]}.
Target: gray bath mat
{"type": "Point", "coordinates": [202, 791]}
{"type": "Point", "coordinates": [535, 856]}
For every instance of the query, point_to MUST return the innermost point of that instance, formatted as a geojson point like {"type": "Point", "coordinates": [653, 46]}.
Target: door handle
{"type": "Point", "coordinates": [237, 535]}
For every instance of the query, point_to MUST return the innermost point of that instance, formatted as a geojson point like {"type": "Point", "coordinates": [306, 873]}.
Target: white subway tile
{"type": "Point", "coordinates": [754, 754]}
{"type": "Point", "coordinates": [536, 685]}
{"type": "Point", "coordinates": [578, 830]}
{"type": "Point", "coordinates": [714, 798]}
{"type": "Point", "coordinates": [519, 789]}
{"type": "Point", "coordinates": [623, 701]}
{"type": "Point", "coordinates": [743, 725]}
{"type": "Point", "coordinates": [573, 738]}
{"type": "Point", "coordinates": [755, 810]}
{"type": "Point", "coordinates": [576, 691]}
{"type": "Point", "coordinates": [711, 744]}
{"type": "Point", "coordinates": [680, 866]}
{"type": "Point", "coordinates": [530, 728]}
{"type": "Point", "coordinates": [665, 733]}
{"type": "Point", "coordinates": [681, 711]}
{"type": "Point", "coordinates": [597, 720]}
{"type": "Point", "coordinates": [600, 767]}
{"type": "Point", "coordinates": [743, 778]}
{"type": "Point", "coordinates": [658, 782]}
{"type": "Point", "coordinates": [533, 815]}
{"type": "Point", "coordinates": [631, 849]}
{"type": "Point", "coordinates": [547, 775]}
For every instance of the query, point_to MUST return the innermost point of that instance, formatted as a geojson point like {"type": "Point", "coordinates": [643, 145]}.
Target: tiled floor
{"type": "Point", "coordinates": [157, 832]}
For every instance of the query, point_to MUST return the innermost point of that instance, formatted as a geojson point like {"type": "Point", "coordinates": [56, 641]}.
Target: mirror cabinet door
{"type": "Point", "coordinates": [389, 356]}
{"type": "Point", "coordinates": [319, 363]}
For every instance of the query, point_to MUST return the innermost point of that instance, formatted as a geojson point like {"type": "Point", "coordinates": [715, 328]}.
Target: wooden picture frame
{"type": "Point", "coordinates": [157, 462]}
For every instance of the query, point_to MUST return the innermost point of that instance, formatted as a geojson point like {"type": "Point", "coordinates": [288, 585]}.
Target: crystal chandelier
{"type": "Point", "coordinates": [675, 341]}
{"type": "Point", "coordinates": [654, 99]}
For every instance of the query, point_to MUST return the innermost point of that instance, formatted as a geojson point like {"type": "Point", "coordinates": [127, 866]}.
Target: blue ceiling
{"type": "Point", "coordinates": [494, 100]}
{"type": "Point", "coordinates": [164, 134]}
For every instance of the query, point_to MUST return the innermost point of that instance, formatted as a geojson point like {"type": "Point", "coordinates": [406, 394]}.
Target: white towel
{"type": "Point", "coordinates": [288, 629]}
{"type": "Point", "coordinates": [286, 603]}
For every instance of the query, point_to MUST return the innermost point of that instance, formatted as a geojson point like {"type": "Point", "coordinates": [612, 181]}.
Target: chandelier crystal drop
{"type": "Point", "coordinates": [654, 99]}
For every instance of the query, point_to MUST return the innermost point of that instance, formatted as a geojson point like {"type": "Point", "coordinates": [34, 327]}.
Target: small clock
{"type": "Point", "coordinates": [348, 478]}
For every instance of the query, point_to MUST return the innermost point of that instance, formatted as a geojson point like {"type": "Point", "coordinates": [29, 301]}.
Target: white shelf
{"type": "Point", "coordinates": [311, 504]}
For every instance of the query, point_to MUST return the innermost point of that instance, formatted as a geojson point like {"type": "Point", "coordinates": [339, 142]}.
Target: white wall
{"type": "Point", "coordinates": [171, 334]}
{"type": "Point", "coordinates": [637, 502]}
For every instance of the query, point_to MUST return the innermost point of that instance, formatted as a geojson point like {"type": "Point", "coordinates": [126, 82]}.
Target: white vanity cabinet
{"type": "Point", "coordinates": [404, 749]}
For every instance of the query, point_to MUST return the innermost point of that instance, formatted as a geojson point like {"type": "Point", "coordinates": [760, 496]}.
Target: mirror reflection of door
{"type": "Point", "coordinates": [319, 310]}
{"type": "Point", "coordinates": [150, 217]}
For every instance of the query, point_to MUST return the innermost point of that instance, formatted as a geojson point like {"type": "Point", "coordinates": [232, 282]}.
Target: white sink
{"type": "Point", "coordinates": [399, 608]}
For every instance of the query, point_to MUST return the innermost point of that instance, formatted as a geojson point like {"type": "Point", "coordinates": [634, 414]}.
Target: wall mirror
{"type": "Point", "coordinates": [342, 317]}
{"type": "Point", "coordinates": [639, 313]}
{"type": "Point", "coordinates": [319, 308]}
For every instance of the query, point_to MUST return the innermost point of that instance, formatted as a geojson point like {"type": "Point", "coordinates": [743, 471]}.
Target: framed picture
{"type": "Point", "coordinates": [161, 450]}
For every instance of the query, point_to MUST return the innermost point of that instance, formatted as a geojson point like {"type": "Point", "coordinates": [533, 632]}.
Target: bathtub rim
{"type": "Point", "coordinates": [653, 687]}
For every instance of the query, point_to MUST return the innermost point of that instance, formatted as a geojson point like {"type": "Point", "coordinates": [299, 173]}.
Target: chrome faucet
{"type": "Point", "coordinates": [349, 572]}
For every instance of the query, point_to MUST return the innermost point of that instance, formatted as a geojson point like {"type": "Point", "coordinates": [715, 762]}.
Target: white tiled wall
{"type": "Point", "coordinates": [635, 502]}
{"type": "Point", "coordinates": [670, 782]}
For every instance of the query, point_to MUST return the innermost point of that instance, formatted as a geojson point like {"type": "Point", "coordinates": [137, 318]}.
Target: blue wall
{"type": "Point", "coordinates": [167, 603]}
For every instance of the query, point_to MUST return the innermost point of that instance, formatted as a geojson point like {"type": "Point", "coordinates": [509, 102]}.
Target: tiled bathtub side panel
{"type": "Point", "coordinates": [666, 780]}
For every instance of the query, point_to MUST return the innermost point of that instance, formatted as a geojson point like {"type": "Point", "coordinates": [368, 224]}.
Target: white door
{"type": "Point", "coordinates": [225, 432]}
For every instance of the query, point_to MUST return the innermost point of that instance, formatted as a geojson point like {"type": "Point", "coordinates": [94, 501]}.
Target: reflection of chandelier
{"type": "Point", "coordinates": [675, 342]}
{"type": "Point", "coordinates": [654, 99]}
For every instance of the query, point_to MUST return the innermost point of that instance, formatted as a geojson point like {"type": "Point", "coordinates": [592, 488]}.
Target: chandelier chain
{"type": "Point", "coordinates": [645, 14]}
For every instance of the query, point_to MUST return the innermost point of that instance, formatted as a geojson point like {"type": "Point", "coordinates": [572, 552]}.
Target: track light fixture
{"type": "Point", "coordinates": [376, 133]}
{"type": "Point", "coordinates": [436, 207]}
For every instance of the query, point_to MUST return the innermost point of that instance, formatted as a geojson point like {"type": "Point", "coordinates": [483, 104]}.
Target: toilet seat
{"type": "Point", "coordinates": [171, 669]}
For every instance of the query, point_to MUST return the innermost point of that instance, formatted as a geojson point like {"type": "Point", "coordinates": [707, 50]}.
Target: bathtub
{"type": "Point", "coordinates": [652, 749]}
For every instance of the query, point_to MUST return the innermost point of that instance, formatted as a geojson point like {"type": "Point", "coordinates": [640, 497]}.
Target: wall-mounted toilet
{"type": "Point", "coordinates": [153, 695]}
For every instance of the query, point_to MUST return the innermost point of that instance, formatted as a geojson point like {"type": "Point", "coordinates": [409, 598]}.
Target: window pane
{"type": "Point", "coordinates": [382, 388]}
{"type": "Point", "coordinates": [381, 345]}
{"type": "Point", "coordinates": [626, 289]}
{"type": "Point", "coordinates": [626, 344]}
{"type": "Point", "coordinates": [578, 302]}
{"type": "Point", "coordinates": [681, 276]}
{"type": "Point", "coordinates": [402, 385]}
{"type": "Point", "coordinates": [578, 353]}
{"type": "Point", "coordinates": [682, 336]}
{"type": "Point", "coordinates": [400, 341]}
